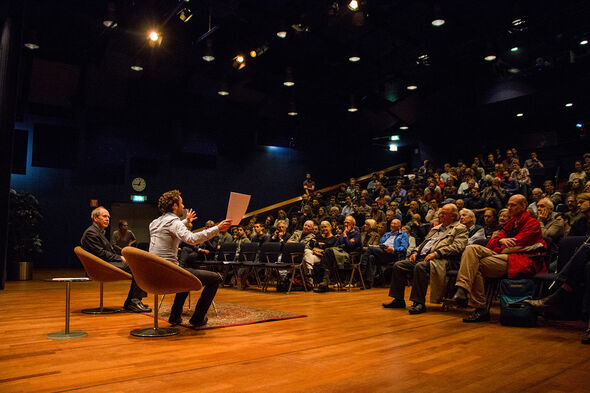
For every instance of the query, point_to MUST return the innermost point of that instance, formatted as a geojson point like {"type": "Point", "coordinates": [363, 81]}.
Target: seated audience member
{"type": "Point", "coordinates": [490, 164]}
{"type": "Point", "coordinates": [582, 226]}
{"type": "Point", "coordinates": [280, 234]}
{"type": "Point", "coordinates": [315, 205]}
{"type": "Point", "coordinates": [477, 169]}
{"type": "Point", "coordinates": [260, 235]}
{"type": "Point", "coordinates": [394, 207]}
{"type": "Point", "coordinates": [438, 181]}
{"type": "Point", "coordinates": [550, 226]}
{"type": "Point", "coordinates": [304, 235]}
{"type": "Point", "coordinates": [372, 183]}
{"type": "Point", "coordinates": [533, 162]}
{"type": "Point", "coordinates": [468, 183]}
{"type": "Point", "coordinates": [332, 203]}
{"type": "Point", "coordinates": [522, 176]}
{"type": "Point", "coordinates": [376, 213]}
{"type": "Point", "coordinates": [321, 215]}
{"type": "Point", "coordinates": [573, 214]}
{"type": "Point", "coordinates": [308, 185]}
{"type": "Point", "coordinates": [347, 209]}
{"type": "Point", "coordinates": [335, 218]}
{"type": "Point", "coordinates": [574, 276]}
{"type": "Point", "coordinates": [536, 196]}
{"type": "Point", "coordinates": [507, 163]}
{"type": "Point", "coordinates": [123, 237]}
{"type": "Point", "coordinates": [433, 192]}
{"type": "Point", "coordinates": [349, 240]}
{"type": "Point", "coordinates": [292, 227]}
{"type": "Point", "coordinates": [307, 214]}
{"type": "Point", "coordinates": [240, 238]}
{"type": "Point", "coordinates": [381, 197]}
{"type": "Point", "coordinates": [392, 246]}
{"type": "Point", "coordinates": [341, 194]}
{"type": "Point", "coordinates": [316, 229]}
{"type": "Point", "coordinates": [576, 187]}
{"type": "Point", "coordinates": [490, 222]}
{"type": "Point", "coordinates": [411, 241]}
{"type": "Point", "coordinates": [363, 206]}
{"type": "Point", "coordinates": [460, 204]}
{"type": "Point", "coordinates": [94, 241]}
{"type": "Point", "coordinates": [450, 190]}
{"type": "Point", "coordinates": [369, 234]}
{"type": "Point", "coordinates": [428, 263]}
{"type": "Point", "coordinates": [433, 211]}
{"type": "Point", "coordinates": [413, 209]}
{"type": "Point", "coordinates": [313, 254]}
{"type": "Point", "coordinates": [305, 201]}
{"type": "Point", "coordinates": [550, 192]}
{"type": "Point", "coordinates": [475, 231]}
{"type": "Point", "coordinates": [578, 173]}
{"type": "Point", "coordinates": [500, 258]}
{"type": "Point", "coordinates": [446, 172]}
{"type": "Point", "coordinates": [269, 223]}
{"type": "Point", "coordinates": [350, 187]}
{"type": "Point", "coordinates": [190, 255]}
{"type": "Point", "coordinates": [509, 185]}
{"type": "Point", "coordinates": [358, 215]}
{"type": "Point", "coordinates": [587, 186]}
{"type": "Point", "coordinates": [475, 202]}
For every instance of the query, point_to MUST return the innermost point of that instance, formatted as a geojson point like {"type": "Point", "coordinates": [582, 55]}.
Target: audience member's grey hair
{"type": "Point", "coordinates": [470, 213]}
{"type": "Point", "coordinates": [96, 212]}
{"type": "Point", "coordinates": [547, 202]}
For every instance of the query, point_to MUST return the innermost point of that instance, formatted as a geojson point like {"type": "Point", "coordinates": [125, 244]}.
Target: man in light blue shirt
{"type": "Point", "coordinates": [392, 247]}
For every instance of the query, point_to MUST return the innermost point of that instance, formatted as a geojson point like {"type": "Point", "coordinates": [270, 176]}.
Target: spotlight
{"type": "Point", "coordinates": [392, 147]}
{"type": "Point", "coordinates": [137, 68]}
{"type": "Point", "coordinates": [239, 62]}
{"type": "Point", "coordinates": [352, 107]}
{"type": "Point", "coordinates": [292, 109]}
{"type": "Point", "coordinates": [31, 46]}
{"type": "Point", "coordinates": [289, 79]}
{"type": "Point", "coordinates": [154, 38]}
{"type": "Point", "coordinates": [412, 87]}
{"type": "Point", "coordinates": [185, 14]}
{"type": "Point", "coordinates": [353, 5]}
{"type": "Point", "coordinates": [223, 88]}
{"type": "Point", "coordinates": [31, 41]}
{"type": "Point", "coordinates": [519, 114]}
{"type": "Point", "coordinates": [569, 104]}
{"type": "Point", "coordinates": [153, 35]}
{"type": "Point", "coordinates": [240, 58]}
{"type": "Point", "coordinates": [109, 19]}
{"type": "Point", "coordinates": [252, 53]}
{"type": "Point", "coordinates": [223, 92]}
{"type": "Point", "coordinates": [282, 34]}
{"type": "Point", "coordinates": [438, 22]}
{"type": "Point", "coordinates": [354, 59]}
{"type": "Point", "coordinates": [404, 127]}
{"type": "Point", "coordinates": [208, 55]}
{"type": "Point", "coordinates": [490, 58]}
{"type": "Point", "coordinates": [584, 42]}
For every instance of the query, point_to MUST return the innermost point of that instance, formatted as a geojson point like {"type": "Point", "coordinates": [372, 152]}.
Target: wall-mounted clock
{"type": "Point", "coordinates": [138, 184]}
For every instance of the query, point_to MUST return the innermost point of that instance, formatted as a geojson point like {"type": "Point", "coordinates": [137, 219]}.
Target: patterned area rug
{"type": "Point", "coordinates": [228, 314]}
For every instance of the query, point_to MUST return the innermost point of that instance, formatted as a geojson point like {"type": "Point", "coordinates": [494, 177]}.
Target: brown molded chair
{"type": "Point", "coordinates": [99, 270]}
{"type": "Point", "coordinates": [158, 276]}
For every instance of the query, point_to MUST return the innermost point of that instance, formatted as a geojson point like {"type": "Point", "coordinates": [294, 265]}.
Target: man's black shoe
{"type": "Point", "coordinates": [479, 315]}
{"type": "Point", "coordinates": [173, 321]}
{"type": "Point", "coordinates": [202, 322]}
{"type": "Point", "coordinates": [586, 337]}
{"type": "Point", "coordinates": [133, 305]}
{"type": "Point", "coordinates": [417, 308]}
{"type": "Point", "coordinates": [396, 303]}
{"type": "Point", "coordinates": [145, 306]}
{"type": "Point", "coordinates": [459, 299]}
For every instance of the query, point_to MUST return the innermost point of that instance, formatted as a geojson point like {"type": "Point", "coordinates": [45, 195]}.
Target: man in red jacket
{"type": "Point", "coordinates": [513, 252]}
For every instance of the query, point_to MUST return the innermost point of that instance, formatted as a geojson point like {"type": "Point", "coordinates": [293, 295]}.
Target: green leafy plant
{"type": "Point", "coordinates": [24, 220]}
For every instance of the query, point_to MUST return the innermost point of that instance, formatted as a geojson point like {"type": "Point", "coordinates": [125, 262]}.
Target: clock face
{"type": "Point", "coordinates": [138, 184]}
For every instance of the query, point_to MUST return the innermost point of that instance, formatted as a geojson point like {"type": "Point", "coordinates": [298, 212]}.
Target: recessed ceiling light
{"type": "Point", "coordinates": [353, 109]}
{"type": "Point", "coordinates": [569, 104]}
{"type": "Point", "coordinates": [109, 23]}
{"type": "Point", "coordinates": [31, 46]}
{"type": "Point", "coordinates": [404, 127]}
{"type": "Point", "coordinates": [208, 58]}
{"type": "Point", "coordinates": [411, 87]}
{"type": "Point", "coordinates": [289, 83]}
{"type": "Point", "coordinates": [490, 58]}
{"type": "Point", "coordinates": [514, 49]}
{"type": "Point", "coordinates": [282, 34]}
{"type": "Point", "coordinates": [513, 70]}
{"type": "Point", "coordinates": [292, 113]}
{"type": "Point", "coordinates": [353, 5]}
{"type": "Point", "coordinates": [223, 92]}
{"type": "Point", "coordinates": [137, 68]}
{"type": "Point", "coordinates": [438, 22]}
{"type": "Point", "coordinates": [354, 59]}
{"type": "Point", "coordinates": [520, 114]}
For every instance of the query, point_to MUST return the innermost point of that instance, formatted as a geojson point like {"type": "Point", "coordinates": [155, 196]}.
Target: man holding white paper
{"type": "Point", "coordinates": [166, 232]}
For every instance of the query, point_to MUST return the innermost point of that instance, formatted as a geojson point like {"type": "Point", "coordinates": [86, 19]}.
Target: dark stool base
{"type": "Point", "coordinates": [104, 310]}
{"type": "Point", "coordinates": [155, 332]}
{"type": "Point", "coordinates": [64, 335]}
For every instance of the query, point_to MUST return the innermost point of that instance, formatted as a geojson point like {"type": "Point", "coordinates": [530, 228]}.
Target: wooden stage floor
{"type": "Point", "coordinates": [348, 343]}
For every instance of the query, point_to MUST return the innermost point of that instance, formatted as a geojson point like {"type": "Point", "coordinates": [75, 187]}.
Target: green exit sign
{"type": "Point", "coordinates": [138, 198]}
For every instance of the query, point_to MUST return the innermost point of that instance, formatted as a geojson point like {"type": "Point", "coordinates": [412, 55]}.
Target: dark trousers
{"type": "Point", "coordinates": [373, 257]}
{"type": "Point", "coordinates": [135, 292]}
{"type": "Point", "coordinates": [577, 272]}
{"type": "Point", "coordinates": [421, 270]}
{"type": "Point", "coordinates": [210, 281]}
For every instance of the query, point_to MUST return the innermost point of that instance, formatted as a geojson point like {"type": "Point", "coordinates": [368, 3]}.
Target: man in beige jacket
{"type": "Point", "coordinates": [429, 262]}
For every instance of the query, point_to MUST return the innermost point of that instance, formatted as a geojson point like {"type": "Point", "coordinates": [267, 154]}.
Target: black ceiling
{"type": "Point", "coordinates": [457, 90]}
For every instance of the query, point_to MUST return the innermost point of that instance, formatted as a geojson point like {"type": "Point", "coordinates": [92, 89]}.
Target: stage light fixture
{"type": "Point", "coordinates": [289, 79]}
{"type": "Point", "coordinates": [185, 14]}
{"type": "Point", "coordinates": [154, 38]}
{"type": "Point", "coordinates": [438, 22]}
{"type": "Point", "coordinates": [31, 46]}
{"type": "Point", "coordinates": [208, 55]}
{"type": "Point", "coordinates": [31, 41]}
{"type": "Point", "coordinates": [354, 59]}
{"type": "Point", "coordinates": [584, 42]}
{"type": "Point", "coordinates": [239, 62]}
{"type": "Point", "coordinates": [569, 104]}
{"type": "Point", "coordinates": [412, 87]}
{"type": "Point", "coordinates": [519, 114]}
{"type": "Point", "coordinates": [353, 5]}
{"type": "Point", "coordinates": [404, 127]}
{"type": "Point", "coordinates": [490, 57]}
{"type": "Point", "coordinates": [137, 68]}
{"type": "Point", "coordinates": [423, 59]}
{"type": "Point", "coordinates": [352, 107]}
{"type": "Point", "coordinates": [109, 19]}
{"type": "Point", "coordinates": [292, 111]}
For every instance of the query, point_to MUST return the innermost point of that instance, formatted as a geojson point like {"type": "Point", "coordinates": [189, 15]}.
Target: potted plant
{"type": "Point", "coordinates": [24, 242]}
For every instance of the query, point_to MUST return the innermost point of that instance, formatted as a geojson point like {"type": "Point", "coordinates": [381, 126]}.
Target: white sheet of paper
{"type": "Point", "coordinates": [237, 206]}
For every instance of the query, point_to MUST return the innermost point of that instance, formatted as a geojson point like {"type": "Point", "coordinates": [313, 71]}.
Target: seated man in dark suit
{"type": "Point", "coordinates": [94, 241]}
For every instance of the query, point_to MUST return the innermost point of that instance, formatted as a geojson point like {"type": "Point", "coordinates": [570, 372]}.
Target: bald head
{"type": "Point", "coordinates": [516, 205]}
{"type": "Point", "coordinates": [395, 225]}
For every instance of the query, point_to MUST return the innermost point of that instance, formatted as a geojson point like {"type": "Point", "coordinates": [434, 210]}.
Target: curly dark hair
{"type": "Point", "coordinates": [167, 200]}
